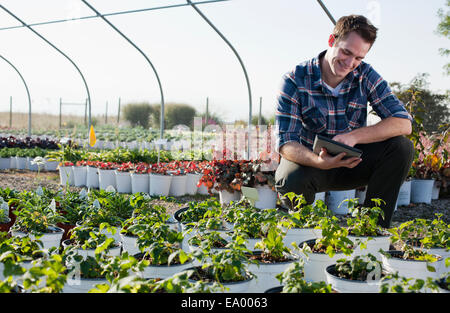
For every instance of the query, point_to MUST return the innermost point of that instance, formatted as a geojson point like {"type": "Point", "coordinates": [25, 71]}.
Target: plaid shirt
{"type": "Point", "coordinates": [306, 106]}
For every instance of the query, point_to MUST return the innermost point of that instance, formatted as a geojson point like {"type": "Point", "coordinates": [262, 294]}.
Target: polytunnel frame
{"type": "Point", "coordinates": [193, 5]}
{"type": "Point", "coordinates": [28, 93]}
{"type": "Point", "coordinates": [57, 49]}
{"type": "Point", "coordinates": [103, 17]}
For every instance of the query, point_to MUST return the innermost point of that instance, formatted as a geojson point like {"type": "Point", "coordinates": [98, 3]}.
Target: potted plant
{"type": "Point", "coordinates": [273, 258]}
{"type": "Point", "coordinates": [179, 178]}
{"type": "Point", "coordinates": [292, 281]}
{"type": "Point", "coordinates": [364, 231]}
{"type": "Point", "coordinates": [92, 174]}
{"type": "Point", "coordinates": [123, 177]}
{"type": "Point", "coordinates": [161, 248]}
{"type": "Point", "coordinates": [326, 250]}
{"type": "Point", "coordinates": [88, 241]}
{"type": "Point", "coordinates": [362, 274]}
{"type": "Point", "coordinates": [424, 168]}
{"type": "Point", "coordinates": [412, 263]}
{"type": "Point", "coordinates": [302, 221]}
{"type": "Point", "coordinates": [140, 181]}
{"type": "Point", "coordinates": [160, 179]}
{"type": "Point", "coordinates": [5, 221]}
{"type": "Point", "coordinates": [228, 180]}
{"type": "Point", "coordinates": [227, 267]}
{"type": "Point", "coordinates": [193, 173]}
{"type": "Point", "coordinates": [38, 220]}
{"type": "Point", "coordinates": [264, 182]}
{"type": "Point", "coordinates": [5, 158]}
{"type": "Point", "coordinates": [430, 237]}
{"type": "Point", "coordinates": [106, 174]}
{"type": "Point", "coordinates": [79, 170]}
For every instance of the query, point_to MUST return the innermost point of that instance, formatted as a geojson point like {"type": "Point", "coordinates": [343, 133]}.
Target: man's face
{"type": "Point", "coordinates": [347, 54]}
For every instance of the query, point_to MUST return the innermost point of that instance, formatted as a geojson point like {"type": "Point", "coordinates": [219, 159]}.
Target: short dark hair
{"type": "Point", "coordinates": [355, 23]}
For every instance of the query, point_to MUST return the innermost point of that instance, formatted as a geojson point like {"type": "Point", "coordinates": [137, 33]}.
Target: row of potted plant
{"type": "Point", "coordinates": [217, 238]}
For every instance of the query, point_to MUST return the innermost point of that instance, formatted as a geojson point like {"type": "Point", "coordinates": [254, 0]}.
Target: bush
{"type": "Point", "coordinates": [138, 113]}
{"type": "Point", "coordinates": [174, 114]}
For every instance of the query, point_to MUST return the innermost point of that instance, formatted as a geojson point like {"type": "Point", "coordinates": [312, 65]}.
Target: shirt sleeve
{"type": "Point", "coordinates": [384, 102]}
{"type": "Point", "coordinates": [287, 116]}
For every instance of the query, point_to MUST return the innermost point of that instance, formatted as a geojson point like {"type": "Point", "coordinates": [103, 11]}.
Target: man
{"type": "Point", "coordinates": [328, 95]}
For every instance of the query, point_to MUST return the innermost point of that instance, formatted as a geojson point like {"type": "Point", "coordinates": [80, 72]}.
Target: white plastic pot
{"type": "Point", "coordinates": [319, 196]}
{"type": "Point", "coordinates": [66, 175]}
{"type": "Point", "coordinates": [34, 167]}
{"type": "Point", "coordinates": [436, 190]}
{"type": "Point", "coordinates": [299, 235]}
{"type": "Point", "coordinates": [106, 178]}
{"type": "Point", "coordinates": [343, 285]}
{"type": "Point", "coordinates": [5, 163]}
{"type": "Point", "coordinates": [178, 185]}
{"type": "Point", "coordinates": [140, 183]}
{"type": "Point", "coordinates": [421, 190]}
{"type": "Point", "coordinates": [115, 251]}
{"type": "Point", "coordinates": [267, 198]}
{"type": "Point", "coordinates": [372, 246]}
{"type": "Point", "coordinates": [202, 190]}
{"type": "Point", "coordinates": [82, 285]}
{"type": "Point", "coordinates": [226, 197]}
{"type": "Point", "coordinates": [335, 198]}
{"type": "Point", "coordinates": [361, 195]}
{"type": "Point", "coordinates": [21, 163]}
{"type": "Point", "coordinates": [79, 175]}
{"type": "Point", "coordinates": [92, 177]}
{"type": "Point", "coordinates": [160, 184]}
{"type": "Point", "coordinates": [49, 240]}
{"type": "Point", "coordinates": [123, 182]}
{"type": "Point", "coordinates": [410, 268]}
{"type": "Point", "coordinates": [316, 263]}
{"type": "Point", "coordinates": [404, 195]}
{"type": "Point", "coordinates": [51, 165]}
{"type": "Point", "coordinates": [234, 287]}
{"type": "Point", "coordinates": [191, 183]}
{"type": "Point", "coordinates": [130, 244]}
{"type": "Point", "coordinates": [265, 274]}
{"type": "Point", "coordinates": [164, 271]}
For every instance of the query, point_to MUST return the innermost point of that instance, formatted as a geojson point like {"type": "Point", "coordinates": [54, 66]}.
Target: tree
{"type": "Point", "coordinates": [428, 108]}
{"type": "Point", "coordinates": [174, 114]}
{"type": "Point", "coordinates": [444, 30]}
{"type": "Point", "coordinates": [138, 113]}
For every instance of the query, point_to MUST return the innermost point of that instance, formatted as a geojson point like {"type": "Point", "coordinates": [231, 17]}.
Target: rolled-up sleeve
{"type": "Point", "coordinates": [287, 116]}
{"type": "Point", "coordinates": [384, 102]}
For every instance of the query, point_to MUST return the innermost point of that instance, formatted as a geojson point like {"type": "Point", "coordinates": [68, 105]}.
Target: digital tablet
{"type": "Point", "coordinates": [334, 148]}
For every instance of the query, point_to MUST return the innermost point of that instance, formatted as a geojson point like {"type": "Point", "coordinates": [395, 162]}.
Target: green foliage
{"type": "Point", "coordinates": [272, 245]}
{"type": "Point", "coordinates": [428, 109]}
{"type": "Point", "coordinates": [361, 268]}
{"type": "Point", "coordinates": [443, 29]}
{"type": "Point", "coordinates": [293, 281]}
{"type": "Point", "coordinates": [138, 113]}
{"type": "Point", "coordinates": [305, 216]}
{"type": "Point", "coordinates": [334, 239]}
{"type": "Point", "coordinates": [364, 220]}
{"type": "Point", "coordinates": [393, 283]}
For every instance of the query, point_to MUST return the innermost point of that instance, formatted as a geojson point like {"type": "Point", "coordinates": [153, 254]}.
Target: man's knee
{"type": "Point", "coordinates": [294, 179]}
{"type": "Point", "coordinates": [403, 149]}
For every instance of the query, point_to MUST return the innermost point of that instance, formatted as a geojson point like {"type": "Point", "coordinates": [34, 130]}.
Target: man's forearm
{"type": "Point", "coordinates": [298, 153]}
{"type": "Point", "coordinates": [383, 130]}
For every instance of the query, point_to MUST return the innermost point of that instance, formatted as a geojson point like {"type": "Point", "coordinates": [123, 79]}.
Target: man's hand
{"type": "Point", "coordinates": [347, 139]}
{"type": "Point", "coordinates": [327, 161]}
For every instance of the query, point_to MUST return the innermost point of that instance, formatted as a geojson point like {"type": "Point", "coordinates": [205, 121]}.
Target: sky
{"type": "Point", "coordinates": [192, 61]}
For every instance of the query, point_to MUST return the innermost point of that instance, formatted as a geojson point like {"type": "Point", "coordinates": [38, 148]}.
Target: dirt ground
{"type": "Point", "coordinates": [27, 180]}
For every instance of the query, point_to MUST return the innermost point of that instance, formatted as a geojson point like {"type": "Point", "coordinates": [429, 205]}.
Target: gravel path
{"type": "Point", "coordinates": [27, 180]}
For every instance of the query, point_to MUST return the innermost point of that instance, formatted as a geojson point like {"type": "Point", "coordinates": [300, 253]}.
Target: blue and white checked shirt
{"type": "Point", "coordinates": [306, 106]}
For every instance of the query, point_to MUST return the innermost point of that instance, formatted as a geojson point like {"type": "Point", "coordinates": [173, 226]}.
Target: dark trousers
{"type": "Point", "coordinates": [383, 169]}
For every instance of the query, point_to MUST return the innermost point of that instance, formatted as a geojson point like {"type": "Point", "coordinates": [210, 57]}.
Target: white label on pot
{"type": "Point", "coordinates": [83, 194]}
{"type": "Point", "coordinates": [39, 191]}
{"type": "Point", "coordinates": [96, 204]}
{"type": "Point", "coordinates": [250, 193]}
